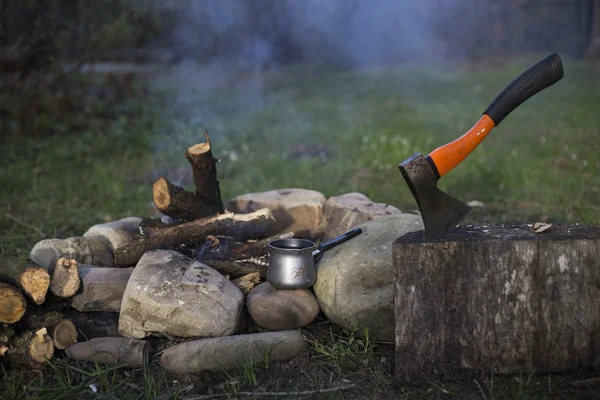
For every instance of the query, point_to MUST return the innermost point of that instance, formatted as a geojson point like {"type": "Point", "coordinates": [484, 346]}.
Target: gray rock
{"type": "Point", "coordinates": [350, 210]}
{"type": "Point", "coordinates": [169, 293]}
{"type": "Point", "coordinates": [85, 250]}
{"type": "Point", "coordinates": [295, 210]}
{"type": "Point", "coordinates": [227, 353]}
{"type": "Point", "coordinates": [117, 233]}
{"type": "Point", "coordinates": [279, 310]}
{"type": "Point", "coordinates": [355, 280]}
{"type": "Point", "coordinates": [103, 288]}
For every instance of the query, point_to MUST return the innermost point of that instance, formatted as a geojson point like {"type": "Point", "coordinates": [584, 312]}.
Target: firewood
{"type": "Point", "coordinates": [88, 324]}
{"type": "Point", "coordinates": [205, 173]}
{"type": "Point", "coordinates": [32, 279]}
{"type": "Point", "coordinates": [102, 288]}
{"type": "Point", "coordinates": [227, 249]}
{"type": "Point", "coordinates": [65, 278]}
{"type": "Point", "coordinates": [109, 350]}
{"type": "Point", "coordinates": [241, 227]}
{"type": "Point", "coordinates": [31, 348]}
{"type": "Point", "coordinates": [206, 201]}
{"type": "Point", "coordinates": [62, 331]}
{"type": "Point", "coordinates": [247, 282]}
{"type": "Point", "coordinates": [237, 259]}
{"type": "Point", "coordinates": [177, 202]}
{"type": "Point", "coordinates": [12, 304]}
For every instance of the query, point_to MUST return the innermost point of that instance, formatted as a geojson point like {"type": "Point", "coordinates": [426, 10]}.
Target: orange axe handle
{"type": "Point", "coordinates": [543, 74]}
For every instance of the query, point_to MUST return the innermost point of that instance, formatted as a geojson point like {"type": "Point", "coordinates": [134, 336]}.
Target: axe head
{"type": "Point", "coordinates": [440, 211]}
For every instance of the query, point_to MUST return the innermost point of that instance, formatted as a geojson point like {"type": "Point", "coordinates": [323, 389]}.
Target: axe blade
{"type": "Point", "coordinates": [440, 211]}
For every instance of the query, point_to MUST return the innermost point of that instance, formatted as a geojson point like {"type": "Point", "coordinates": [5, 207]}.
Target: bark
{"type": "Point", "coordinates": [62, 331]}
{"type": "Point", "coordinates": [31, 348]}
{"type": "Point", "coordinates": [94, 324]}
{"type": "Point", "coordinates": [109, 350]}
{"type": "Point", "coordinates": [65, 278]}
{"type": "Point", "coordinates": [205, 174]}
{"type": "Point", "coordinates": [247, 282]}
{"type": "Point", "coordinates": [102, 289]}
{"type": "Point", "coordinates": [235, 269]}
{"type": "Point", "coordinates": [237, 259]}
{"type": "Point", "coordinates": [12, 304]}
{"type": "Point", "coordinates": [227, 249]}
{"type": "Point", "coordinates": [240, 227]}
{"type": "Point", "coordinates": [32, 279]}
{"type": "Point", "coordinates": [498, 299]}
{"type": "Point", "coordinates": [206, 201]}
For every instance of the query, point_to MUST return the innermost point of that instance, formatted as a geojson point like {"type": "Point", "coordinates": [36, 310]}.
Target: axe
{"type": "Point", "coordinates": [439, 210]}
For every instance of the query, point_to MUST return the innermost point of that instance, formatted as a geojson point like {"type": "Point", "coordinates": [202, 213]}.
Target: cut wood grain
{"type": "Point", "coordinates": [32, 279]}
{"type": "Point", "coordinates": [65, 278]}
{"type": "Point", "coordinates": [12, 304]}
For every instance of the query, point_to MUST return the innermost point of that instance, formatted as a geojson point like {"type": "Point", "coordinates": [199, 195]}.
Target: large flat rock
{"type": "Point", "coordinates": [497, 298]}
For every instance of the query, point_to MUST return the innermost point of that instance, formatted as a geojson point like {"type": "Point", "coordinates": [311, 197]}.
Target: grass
{"type": "Point", "coordinates": [334, 131]}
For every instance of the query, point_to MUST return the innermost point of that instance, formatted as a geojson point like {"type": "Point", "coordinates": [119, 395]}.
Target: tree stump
{"type": "Point", "coordinates": [497, 298]}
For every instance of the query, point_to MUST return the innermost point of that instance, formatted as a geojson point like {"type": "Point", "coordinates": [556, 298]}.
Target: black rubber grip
{"type": "Point", "coordinates": [537, 78]}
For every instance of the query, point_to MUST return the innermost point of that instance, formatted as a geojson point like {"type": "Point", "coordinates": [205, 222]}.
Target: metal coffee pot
{"type": "Point", "coordinates": [292, 261]}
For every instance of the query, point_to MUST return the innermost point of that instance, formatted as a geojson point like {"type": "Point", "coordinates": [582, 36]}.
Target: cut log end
{"type": "Point", "coordinates": [12, 304]}
{"type": "Point", "coordinates": [162, 193]}
{"type": "Point", "coordinates": [35, 282]}
{"type": "Point", "coordinates": [65, 278]}
{"type": "Point", "coordinates": [199, 149]}
{"type": "Point", "coordinates": [41, 346]}
{"type": "Point", "coordinates": [64, 334]}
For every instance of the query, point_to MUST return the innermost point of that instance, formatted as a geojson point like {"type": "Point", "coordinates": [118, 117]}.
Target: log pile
{"type": "Point", "coordinates": [65, 299]}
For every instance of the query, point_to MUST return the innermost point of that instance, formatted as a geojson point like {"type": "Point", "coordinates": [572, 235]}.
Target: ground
{"type": "Point", "coordinates": [88, 150]}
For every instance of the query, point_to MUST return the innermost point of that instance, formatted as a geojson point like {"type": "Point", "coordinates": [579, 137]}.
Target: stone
{"type": "Point", "coordinates": [295, 210]}
{"type": "Point", "coordinates": [117, 233]}
{"type": "Point", "coordinates": [355, 280]}
{"type": "Point", "coordinates": [498, 298]}
{"type": "Point", "coordinates": [225, 354]}
{"type": "Point", "coordinates": [350, 210]}
{"type": "Point", "coordinates": [102, 288]}
{"type": "Point", "coordinates": [279, 310]}
{"type": "Point", "coordinates": [169, 293]}
{"type": "Point", "coordinates": [85, 250]}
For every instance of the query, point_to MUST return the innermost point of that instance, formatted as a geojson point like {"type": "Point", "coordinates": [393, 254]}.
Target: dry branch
{"type": "Point", "coordinates": [65, 278]}
{"type": "Point", "coordinates": [206, 201]}
{"type": "Point", "coordinates": [240, 227]}
{"type": "Point", "coordinates": [12, 304]}
{"type": "Point", "coordinates": [32, 279]}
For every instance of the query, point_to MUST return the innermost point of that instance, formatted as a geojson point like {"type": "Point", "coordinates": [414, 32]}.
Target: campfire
{"type": "Point", "coordinates": [199, 271]}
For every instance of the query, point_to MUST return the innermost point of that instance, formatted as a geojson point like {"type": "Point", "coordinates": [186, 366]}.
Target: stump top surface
{"type": "Point", "coordinates": [506, 231]}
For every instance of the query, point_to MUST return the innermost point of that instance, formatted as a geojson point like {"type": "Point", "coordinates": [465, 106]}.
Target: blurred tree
{"type": "Point", "coordinates": [593, 50]}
